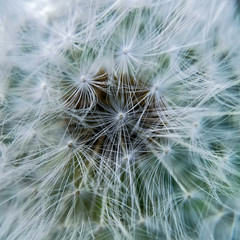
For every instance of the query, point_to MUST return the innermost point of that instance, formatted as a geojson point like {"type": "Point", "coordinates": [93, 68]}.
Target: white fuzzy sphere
{"type": "Point", "coordinates": [119, 119]}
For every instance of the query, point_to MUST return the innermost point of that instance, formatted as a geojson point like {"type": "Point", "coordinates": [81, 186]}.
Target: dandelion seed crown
{"type": "Point", "coordinates": [119, 120]}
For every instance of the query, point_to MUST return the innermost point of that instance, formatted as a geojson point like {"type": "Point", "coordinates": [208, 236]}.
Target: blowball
{"type": "Point", "coordinates": [119, 120]}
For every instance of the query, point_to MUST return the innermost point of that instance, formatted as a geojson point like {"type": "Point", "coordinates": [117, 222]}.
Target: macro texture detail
{"type": "Point", "coordinates": [119, 120]}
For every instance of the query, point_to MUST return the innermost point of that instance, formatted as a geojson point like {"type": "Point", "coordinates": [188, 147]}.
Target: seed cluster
{"type": "Point", "coordinates": [123, 114]}
{"type": "Point", "coordinates": [119, 120]}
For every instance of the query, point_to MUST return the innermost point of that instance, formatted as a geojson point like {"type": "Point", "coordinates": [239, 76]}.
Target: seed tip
{"type": "Point", "coordinates": [70, 144]}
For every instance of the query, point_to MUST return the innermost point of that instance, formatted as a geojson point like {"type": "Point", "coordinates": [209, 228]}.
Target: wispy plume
{"type": "Point", "coordinates": [119, 120]}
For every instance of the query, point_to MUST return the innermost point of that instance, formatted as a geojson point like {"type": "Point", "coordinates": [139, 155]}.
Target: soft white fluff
{"type": "Point", "coordinates": [119, 119]}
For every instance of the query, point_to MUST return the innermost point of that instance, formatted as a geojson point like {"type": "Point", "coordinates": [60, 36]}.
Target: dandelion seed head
{"type": "Point", "coordinates": [167, 151]}
{"type": "Point", "coordinates": [77, 192]}
{"type": "Point", "coordinates": [196, 124]}
{"type": "Point", "coordinates": [156, 87]}
{"type": "Point", "coordinates": [70, 144]}
{"type": "Point", "coordinates": [44, 86]}
{"type": "Point", "coordinates": [125, 50]}
{"type": "Point", "coordinates": [83, 79]}
{"type": "Point", "coordinates": [119, 120]}
{"type": "Point", "coordinates": [121, 116]}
